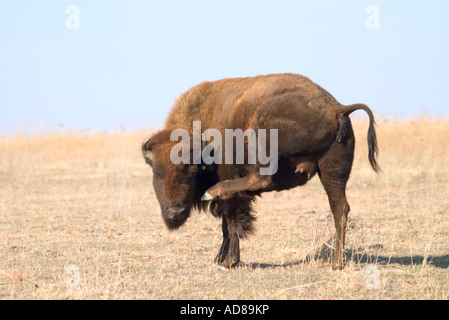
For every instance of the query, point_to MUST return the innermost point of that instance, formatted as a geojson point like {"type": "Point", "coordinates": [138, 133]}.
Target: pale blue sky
{"type": "Point", "coordinates": [129, 60]}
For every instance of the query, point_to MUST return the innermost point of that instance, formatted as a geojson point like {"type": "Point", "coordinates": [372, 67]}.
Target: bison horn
{"type": "Point", "coordinates": [147, 153]}
{"type": "Point", "coordinates": [144, 144]}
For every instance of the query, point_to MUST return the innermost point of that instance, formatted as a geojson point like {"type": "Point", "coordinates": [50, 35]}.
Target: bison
{"type": "Point", "coordinates": [315, 135]}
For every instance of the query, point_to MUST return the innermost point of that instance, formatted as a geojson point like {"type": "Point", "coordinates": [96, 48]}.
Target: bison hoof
{"type": "Point", "coordinates": [206, 197]}
{"type": "Point", "coordinates": [231, 265]}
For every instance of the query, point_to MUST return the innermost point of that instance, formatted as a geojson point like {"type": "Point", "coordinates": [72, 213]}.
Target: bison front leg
{"type": "Point", "coordinates": [229, 254]}
{"type": "Point", "coordinates": [237, 223]}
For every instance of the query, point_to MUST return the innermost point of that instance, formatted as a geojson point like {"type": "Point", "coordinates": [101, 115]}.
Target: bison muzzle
{"type": "Point", "coordinates": [315, 135]}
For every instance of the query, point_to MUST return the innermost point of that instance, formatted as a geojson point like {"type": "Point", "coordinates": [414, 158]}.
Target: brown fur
{"type": "Point", "coordinates": [315, 136]}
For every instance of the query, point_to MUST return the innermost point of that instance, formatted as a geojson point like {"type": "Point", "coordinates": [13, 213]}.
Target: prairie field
{"type": "Point", "coordinates": [79, 220]}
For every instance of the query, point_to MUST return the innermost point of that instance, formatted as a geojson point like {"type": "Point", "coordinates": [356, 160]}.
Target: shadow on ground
{"type": "Point", "coordinates": [360, 256]}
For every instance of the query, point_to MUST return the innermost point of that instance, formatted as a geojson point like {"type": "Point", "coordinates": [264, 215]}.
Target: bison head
{"type": "Point", "coordinates": [174, 184]}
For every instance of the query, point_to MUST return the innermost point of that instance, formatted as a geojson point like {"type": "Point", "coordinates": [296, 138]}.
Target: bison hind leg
{"type": "Point", "coordinates": [335, 168]}
{"type": "Point", "coordinates": [226, 189]}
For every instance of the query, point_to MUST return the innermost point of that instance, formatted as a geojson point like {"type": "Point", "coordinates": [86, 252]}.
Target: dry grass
{"type": "Point", "coordinates": [87, 200]}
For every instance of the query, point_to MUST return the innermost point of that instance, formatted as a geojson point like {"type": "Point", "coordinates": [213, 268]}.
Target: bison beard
{"type": "Point", "coordinates": [314, 136]}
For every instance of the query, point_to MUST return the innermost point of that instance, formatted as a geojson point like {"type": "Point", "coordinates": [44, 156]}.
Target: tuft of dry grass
{"type": "Point", "coordinates": [79, 220]}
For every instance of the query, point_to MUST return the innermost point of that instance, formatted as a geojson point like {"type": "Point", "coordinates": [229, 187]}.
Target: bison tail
{"type": "Point", "coordinates": [371, 137]}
